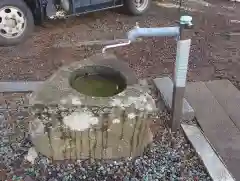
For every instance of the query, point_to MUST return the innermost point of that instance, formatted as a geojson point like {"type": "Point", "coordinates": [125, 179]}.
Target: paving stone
{"type": "Point", "coordinates": [217, 126]}
{"type": "Point", "coordinates": [165, 87]}
{"type": "Point", "coordinates": [19, 86]}
{"type": "Point", "coordinates": [228, 96]}
{"type": "Point", "coordinates": [213, 164]}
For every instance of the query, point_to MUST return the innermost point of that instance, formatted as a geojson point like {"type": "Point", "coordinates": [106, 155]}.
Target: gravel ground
{"type": "Point", "coordinates": [169, 158]}
{"type": "Point", "coordinates": [212, 56]}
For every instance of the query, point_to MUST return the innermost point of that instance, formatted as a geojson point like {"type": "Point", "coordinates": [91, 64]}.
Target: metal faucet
{"type": "Point", "coordinates": [181, 63]}
{"type": "Point", "coordinates": [150, 32]}
{"type": "Point", "coordinates": [184, 23]}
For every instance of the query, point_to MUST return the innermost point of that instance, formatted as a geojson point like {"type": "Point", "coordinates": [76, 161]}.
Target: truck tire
{"type": "Point", "coordinates": [137, 7]}
{"type": "Point", "coordinates": [16, 22]}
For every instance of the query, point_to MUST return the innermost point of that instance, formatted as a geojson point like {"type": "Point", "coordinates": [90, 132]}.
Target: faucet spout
{"type": "Point", "coordinates": [150, 32]}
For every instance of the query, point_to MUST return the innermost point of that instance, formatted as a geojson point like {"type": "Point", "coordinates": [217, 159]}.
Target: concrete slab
{"type": "Point", "coordinates": [221, 132]}
{"type": "Point", "coordinates": [20, 86]}
{"type": "Point", "coordinates": [228, 96]}
{"type": "Point", "coordinates": [165, 87]}
{"type": "Point", "coordinates": [214, 165]}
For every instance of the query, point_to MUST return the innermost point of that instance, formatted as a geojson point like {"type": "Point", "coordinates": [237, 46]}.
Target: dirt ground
{"type": "Point", "coordinates": [213, 56]}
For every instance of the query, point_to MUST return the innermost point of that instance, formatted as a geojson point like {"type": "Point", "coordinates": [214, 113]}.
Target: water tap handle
{"type": "Point", "coordinates": [186, 22]}
{"type": "Point", "coordinates": [137, 25]}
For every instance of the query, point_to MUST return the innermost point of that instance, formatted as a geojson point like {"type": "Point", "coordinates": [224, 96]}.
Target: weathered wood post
{"type": "Point", "coordinates": [180, 73]}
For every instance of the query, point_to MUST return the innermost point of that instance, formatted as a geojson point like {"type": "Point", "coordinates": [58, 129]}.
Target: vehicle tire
{"type": "Point", "coordinates": [16, 22]}
{"type": "Point", "coordinates": [137, 7]}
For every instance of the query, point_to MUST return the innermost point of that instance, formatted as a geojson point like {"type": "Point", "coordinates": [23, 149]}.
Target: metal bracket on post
{"type": "Point", "coordinates": [180, 73]}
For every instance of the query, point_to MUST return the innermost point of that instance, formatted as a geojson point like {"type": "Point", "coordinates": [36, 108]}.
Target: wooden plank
{"type": "Point", "coordinates": [228, 96]}
{"type": "Point", "coordinates": [19, 86]}
{"type": "Point", "coordinates": [165, 87]}
{"type": "Point", "coordinates": [214, 165]}
{"type": "Point", "coordinates": [216, 125]}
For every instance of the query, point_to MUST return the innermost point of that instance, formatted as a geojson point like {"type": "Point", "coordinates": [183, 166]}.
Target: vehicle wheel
{"type": "Point", "coordinates": [137, 7]}
{"type": "Point", "coordinates": [16, 22]}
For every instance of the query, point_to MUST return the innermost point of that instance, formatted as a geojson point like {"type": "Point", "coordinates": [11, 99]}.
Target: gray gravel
{"type": "Point", "coordinates": [170, 157]}
{"type": "Point", "coordinates": [212, 56]}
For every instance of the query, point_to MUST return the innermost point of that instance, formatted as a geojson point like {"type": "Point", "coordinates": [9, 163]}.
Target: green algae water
{"type": "Point", "coordinates": [97, 85]}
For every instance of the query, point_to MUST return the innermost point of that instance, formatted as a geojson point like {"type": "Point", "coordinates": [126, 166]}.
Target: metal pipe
{"type": "Point", "coordinates": [115, 45]}
{"type": "Point", "coordinates": [181, 64]}
{"type": "Point", "coordinates": [146, 32]}
{"type": "Point", "coordinates": [150, 32]}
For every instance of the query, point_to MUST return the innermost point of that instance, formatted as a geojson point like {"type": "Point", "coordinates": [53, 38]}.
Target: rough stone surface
{"type": "Point", "coordinates": [75, 126]}
{"type": "Point", "coordinates": [165, 88]}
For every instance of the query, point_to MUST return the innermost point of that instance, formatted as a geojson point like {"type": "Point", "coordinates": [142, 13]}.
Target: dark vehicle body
{"type": "Point", "coordinates": [17, 17]}
{"type": "Point", "coordinates": [75, 6]}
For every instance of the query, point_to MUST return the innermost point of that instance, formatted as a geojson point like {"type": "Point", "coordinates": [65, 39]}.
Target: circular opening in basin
{"type": "Point", "coordinates": [98, 81]}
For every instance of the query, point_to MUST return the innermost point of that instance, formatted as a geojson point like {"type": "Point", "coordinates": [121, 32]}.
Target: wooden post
{"type": "Point", "coordinates": [179, 82]}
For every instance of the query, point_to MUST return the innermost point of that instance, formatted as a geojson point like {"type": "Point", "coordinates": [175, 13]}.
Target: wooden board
{"type": "Point", "coordinates": [216, 125]}
{"type": "Point", "coordinates": [228, 96]}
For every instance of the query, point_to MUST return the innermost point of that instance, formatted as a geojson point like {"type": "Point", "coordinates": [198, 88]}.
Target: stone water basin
{"type": "Point", "coordinates": [92, 109]}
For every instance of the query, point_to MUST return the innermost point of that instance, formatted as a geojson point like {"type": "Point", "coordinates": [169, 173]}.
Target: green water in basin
{"type": "Point", "coordinates": [98, 85]}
